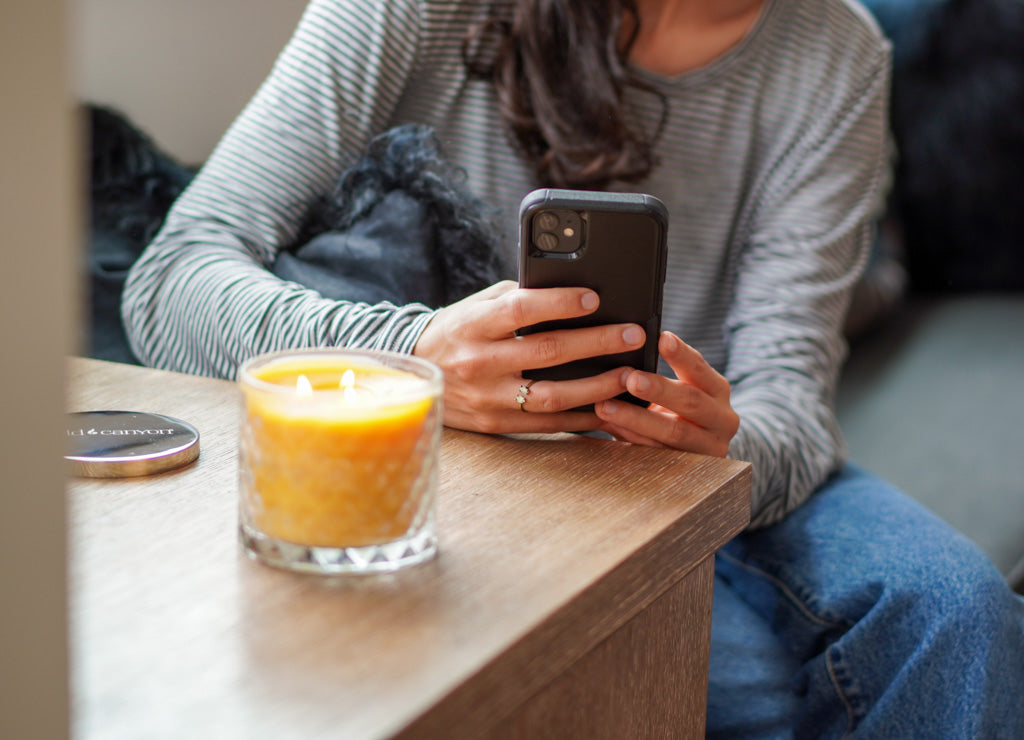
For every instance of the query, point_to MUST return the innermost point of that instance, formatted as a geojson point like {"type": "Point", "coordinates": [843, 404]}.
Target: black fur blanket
{"type": "Point", "coordinates": [132, 184]}
{"type": "Point", "coordinates": [398, 226]}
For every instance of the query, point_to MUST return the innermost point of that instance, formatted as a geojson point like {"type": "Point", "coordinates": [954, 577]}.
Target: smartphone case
{"type": "Point", "coordinates": [622, 257]}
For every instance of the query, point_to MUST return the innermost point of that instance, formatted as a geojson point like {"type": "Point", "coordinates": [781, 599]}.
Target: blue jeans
{"type": "Point", "coordinates": [863, 615]}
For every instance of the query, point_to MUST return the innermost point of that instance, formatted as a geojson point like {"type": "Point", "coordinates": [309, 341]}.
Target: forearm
{"type": "Point", "coordinates": [784, 367]}
{"type": "Point", "coordinates": [206, 310]}
{"type": "Point", "coordinates": [793, 444]}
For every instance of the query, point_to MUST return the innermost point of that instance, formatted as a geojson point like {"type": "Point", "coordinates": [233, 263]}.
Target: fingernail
{"type": "Point", "coordinates": [668, 343]}
{"type": "Point", "coordinates": [625, 377]}
{"type": "Point", "coordinates": [589, 301]}
{"type": "Point", "coordinates": [633, 335]}
{"type": "Point", "coordinates": [610, 407]}
{"type": "Point", "coordinates": [642, 383]}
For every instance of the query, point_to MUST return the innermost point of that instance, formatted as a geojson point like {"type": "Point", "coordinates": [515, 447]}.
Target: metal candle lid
{"type": "Point", "coordinates": [122, 444]}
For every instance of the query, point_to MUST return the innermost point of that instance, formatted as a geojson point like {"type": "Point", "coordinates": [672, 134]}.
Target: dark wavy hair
{"type": "Point", "coordinates": [560, 72]}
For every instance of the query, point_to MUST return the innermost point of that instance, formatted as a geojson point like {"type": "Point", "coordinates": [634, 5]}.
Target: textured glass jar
{"type": "Point", "coordinates": [338, 464]}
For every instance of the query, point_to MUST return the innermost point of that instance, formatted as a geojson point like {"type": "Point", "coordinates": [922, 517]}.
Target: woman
{"type": "Point", "coordinates": [761, 124]}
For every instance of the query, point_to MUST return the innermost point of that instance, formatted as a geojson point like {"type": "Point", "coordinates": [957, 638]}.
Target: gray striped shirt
{"type": "Point", "coordinates": [771, 166]}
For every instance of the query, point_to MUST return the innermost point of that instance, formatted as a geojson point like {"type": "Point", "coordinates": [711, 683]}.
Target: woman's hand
{"type": "Point", "coordinates": [474, 343]}
{"type": "Point", "coordinates": [689, 413]}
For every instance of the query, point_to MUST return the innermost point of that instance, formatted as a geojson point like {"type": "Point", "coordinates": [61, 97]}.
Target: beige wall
{"type": "Point", "coordinates": [38, 299]}
{"type": "Point", "coordinates": [181, 69]}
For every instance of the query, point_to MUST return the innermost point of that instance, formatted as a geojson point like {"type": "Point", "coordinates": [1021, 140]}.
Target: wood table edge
{"type": "Point", "coordinates": [483, 700]}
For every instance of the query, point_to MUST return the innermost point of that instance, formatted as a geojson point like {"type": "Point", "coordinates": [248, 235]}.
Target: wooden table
{"type": "Point", "coordinates": [571, 596]}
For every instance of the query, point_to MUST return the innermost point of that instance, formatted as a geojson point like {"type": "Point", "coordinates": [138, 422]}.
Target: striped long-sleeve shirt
{"type": "Point", "coordinates": [771, 163]}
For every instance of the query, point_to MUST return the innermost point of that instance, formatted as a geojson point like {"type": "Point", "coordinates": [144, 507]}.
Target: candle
{"type": "Point", "coordinates": [338, 459]}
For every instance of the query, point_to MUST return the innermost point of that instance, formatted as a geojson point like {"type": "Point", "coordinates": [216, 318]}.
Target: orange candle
{"type": "Point", "coordinates": [338, 461]}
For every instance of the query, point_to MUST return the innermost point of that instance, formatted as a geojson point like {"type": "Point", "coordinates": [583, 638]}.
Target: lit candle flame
{"type": "Point", "coordinates": [348, 385]}
{"type": "Point", "coordinates": [303, 387]}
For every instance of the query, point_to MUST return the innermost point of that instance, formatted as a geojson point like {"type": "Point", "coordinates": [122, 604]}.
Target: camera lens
{"type": "Point", "coordinates": [547, 221]}
{"type": "Point", "coordinates": [547, 241]}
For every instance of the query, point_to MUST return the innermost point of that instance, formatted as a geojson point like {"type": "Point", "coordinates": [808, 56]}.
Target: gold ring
{"type": "Point", "coordinates": [522, 393]}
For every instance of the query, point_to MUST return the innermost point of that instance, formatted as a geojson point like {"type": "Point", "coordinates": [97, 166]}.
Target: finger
{"type": "Point", "coordinates": [511, 422]}
{"type": "Point", "coordinates": [628, 435]}
{"type": "Point", "coordinates": [514, 309]}
{"type": "Point", "coordinates": [665, 429]}
{"type": "Point", "coordinates": [550, 396]}
{"type": "Point", "coordinates": [566, 421]}
{"type": "Point", "coordinates": [486, 408]}
{"type": "Point", "coordinates": [682, 398]}
{"type": "Point", "coordinates": [494, 291]}
{"type": "Point", "coordinates": [550, 348]}
{"type": "Point", "coordinates": [690, 366]}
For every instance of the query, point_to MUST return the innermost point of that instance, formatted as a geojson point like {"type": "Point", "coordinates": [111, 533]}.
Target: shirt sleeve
{"type": "Point", "coordinates": [201, 298]}
{"type": "Point", "coordinates": [814, 221]}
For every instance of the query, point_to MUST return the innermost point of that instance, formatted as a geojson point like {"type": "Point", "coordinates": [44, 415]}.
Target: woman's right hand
{"type": "Point", "coordinates": [474, 343]}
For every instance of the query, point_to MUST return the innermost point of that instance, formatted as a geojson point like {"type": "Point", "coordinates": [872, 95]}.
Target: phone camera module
{"type": "Point", "coordinates": [558, 230]}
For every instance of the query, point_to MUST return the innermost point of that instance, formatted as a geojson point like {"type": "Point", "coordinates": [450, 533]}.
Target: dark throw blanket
{"type": "Point", "coordinates": [132, 185]}
{"type": "Point", "coordinates": [399, 225]}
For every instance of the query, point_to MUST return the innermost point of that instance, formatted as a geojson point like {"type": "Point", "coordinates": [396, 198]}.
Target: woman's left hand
{"type": "Point", "coordinates": [691, 412]}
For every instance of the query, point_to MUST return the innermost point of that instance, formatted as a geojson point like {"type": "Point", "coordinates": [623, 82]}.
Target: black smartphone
{"type": "Point", "coordinates": [613, 243]}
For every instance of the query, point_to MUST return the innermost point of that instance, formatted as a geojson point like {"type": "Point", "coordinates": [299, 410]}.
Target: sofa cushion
{"type": "Point", "coordinates": [933, 402]}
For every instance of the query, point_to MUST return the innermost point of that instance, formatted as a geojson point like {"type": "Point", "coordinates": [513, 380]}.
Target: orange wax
{"type": "Point", "coordinates": [334, 471]}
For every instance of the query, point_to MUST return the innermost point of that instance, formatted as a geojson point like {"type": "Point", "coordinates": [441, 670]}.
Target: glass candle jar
{"type": "Point", "coordinates": [338, 459]}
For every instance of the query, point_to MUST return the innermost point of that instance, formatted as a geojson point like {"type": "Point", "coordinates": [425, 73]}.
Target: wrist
{"type": "Point", "coordinates": [427, 337]}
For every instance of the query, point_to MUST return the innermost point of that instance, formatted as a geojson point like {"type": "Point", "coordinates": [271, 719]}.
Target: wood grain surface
{"type": "Point", "coordinates": [556, 553]}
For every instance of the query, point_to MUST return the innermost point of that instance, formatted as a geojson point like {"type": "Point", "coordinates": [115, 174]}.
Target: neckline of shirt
{"type": "Point", "coordinates": [720, 64]}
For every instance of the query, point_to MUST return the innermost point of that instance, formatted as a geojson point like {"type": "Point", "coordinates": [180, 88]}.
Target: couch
{"type": "Point", "coordinates": [931, 396]}
{"type": "Point", "coordinates": [932, 399]}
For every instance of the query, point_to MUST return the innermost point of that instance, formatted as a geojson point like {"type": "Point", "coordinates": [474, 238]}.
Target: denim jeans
{"type": "Point", "coordinates": [863, 615]}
